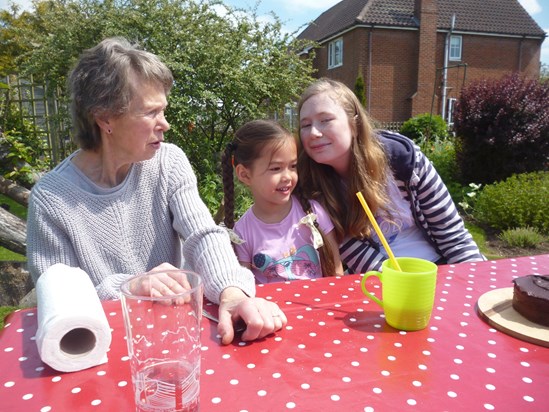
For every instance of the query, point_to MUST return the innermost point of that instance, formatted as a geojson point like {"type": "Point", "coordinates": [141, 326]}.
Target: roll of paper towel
{"type": "Point", "coordinates": [73, 331]}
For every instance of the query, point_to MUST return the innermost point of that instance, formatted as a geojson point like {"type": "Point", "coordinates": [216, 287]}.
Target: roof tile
{"type": "Point", "coordinates": [506, 17]}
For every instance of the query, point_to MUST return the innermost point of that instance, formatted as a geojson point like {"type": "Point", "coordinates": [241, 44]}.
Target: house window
{"type": "Point", "coordinates": [455, 48]}
{"type": "Point", "coordinates": [450, 111]}
{"type": "Point", "coordinates": [335, 53]}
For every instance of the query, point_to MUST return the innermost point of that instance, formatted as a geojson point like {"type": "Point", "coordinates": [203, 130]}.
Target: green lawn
{"type": "Point", "coordinates": [19, 211]}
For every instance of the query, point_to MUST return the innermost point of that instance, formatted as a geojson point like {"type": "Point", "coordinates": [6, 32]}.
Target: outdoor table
{"type": "Point", "coordinates": [336, 353]}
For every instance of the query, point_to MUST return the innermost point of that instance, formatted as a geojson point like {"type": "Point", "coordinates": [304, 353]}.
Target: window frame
{"type": "Point", "coordinates": [333, 60]}
{"type": "Point", "coordinates": [453, 48]}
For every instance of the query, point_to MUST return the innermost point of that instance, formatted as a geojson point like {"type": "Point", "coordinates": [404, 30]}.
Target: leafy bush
{"type": "Point", "coordinates": [519, 201]}
{"type": "Point", "coordinates": [442, 154]}
{"type": "Point", "coordinates": [22, 157]}
{"type": "Point", "coordinates": [526, 237]}
{"type": "Point", "coordinates": [502, 128]}
{"type": "Point", "coordinates": [425, 127]}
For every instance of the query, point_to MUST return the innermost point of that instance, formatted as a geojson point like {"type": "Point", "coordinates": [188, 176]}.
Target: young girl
{"type": "Point", "coordinates": [279, 236]}
{"type": "Point", "coordinates": [343, 155]}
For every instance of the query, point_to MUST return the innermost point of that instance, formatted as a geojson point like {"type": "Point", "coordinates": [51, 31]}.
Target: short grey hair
{"type": "Point", "coordinates": [101, 84]}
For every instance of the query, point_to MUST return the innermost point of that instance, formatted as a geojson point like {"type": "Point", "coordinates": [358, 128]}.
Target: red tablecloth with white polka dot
{"type": "Point", "coordinates": [336, 353]}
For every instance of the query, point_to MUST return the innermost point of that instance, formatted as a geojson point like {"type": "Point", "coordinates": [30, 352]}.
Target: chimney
{"type": "Point", "coordinates": [426, 13]}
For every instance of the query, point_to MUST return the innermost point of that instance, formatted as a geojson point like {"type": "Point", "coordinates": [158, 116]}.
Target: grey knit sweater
{"type": "Point", "coordinates": [155, 216]}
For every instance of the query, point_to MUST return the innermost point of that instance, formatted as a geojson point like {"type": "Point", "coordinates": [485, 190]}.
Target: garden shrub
{"type": "Point", "coordinates": [502, 128]}
{"type": "Point", "coordinates": [519, 201]}
{"type": "Point", "coordinates": [425, 127]}
{"type": "Point", "coordinates": [525, 237]}
{"type": "Point", "coordinates": [442, 154]}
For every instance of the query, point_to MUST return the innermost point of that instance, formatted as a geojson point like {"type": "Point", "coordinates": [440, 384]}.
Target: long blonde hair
{"type": "Point", "coordinates": [368, 167]}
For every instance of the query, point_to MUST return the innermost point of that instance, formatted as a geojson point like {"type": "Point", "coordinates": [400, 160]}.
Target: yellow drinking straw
{"type": "Point", "coordinates": [378, 231]}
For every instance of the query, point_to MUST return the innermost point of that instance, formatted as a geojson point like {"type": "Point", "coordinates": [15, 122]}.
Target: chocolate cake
{"type": "Point", "coordinates": [531, 298]}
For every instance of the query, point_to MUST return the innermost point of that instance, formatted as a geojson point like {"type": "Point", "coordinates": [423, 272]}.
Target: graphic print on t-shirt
{"type": "Point", "coordinates": [299, 264]}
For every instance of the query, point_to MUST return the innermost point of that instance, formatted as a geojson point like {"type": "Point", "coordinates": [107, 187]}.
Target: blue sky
{"type": "Point", "coordinates": [296, 13]}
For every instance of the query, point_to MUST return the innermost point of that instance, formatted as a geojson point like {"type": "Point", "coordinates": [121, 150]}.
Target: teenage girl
{"type": "Point", "coordinates": [281, 236]}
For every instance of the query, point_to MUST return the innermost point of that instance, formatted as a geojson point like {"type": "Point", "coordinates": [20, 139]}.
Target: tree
{"type": "Point", "coordinates": [360, 89]}
{"type": "Point", "coordinates": [228, 66]}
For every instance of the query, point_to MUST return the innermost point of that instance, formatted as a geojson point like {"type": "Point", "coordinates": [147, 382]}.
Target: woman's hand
{"type": "Point", "coordinates": [261, 316]}
{"type": "Point", "coordinates": [166, 280]}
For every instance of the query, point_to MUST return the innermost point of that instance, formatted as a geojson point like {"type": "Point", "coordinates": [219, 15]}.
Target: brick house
{"type": "Point", "coordinates": [416, 55]}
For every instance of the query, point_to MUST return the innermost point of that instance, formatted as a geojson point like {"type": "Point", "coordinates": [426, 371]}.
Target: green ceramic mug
{"type": "Point", "coordinates": [407, 295]}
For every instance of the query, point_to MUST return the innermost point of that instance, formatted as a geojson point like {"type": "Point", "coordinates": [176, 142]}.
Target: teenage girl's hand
{"type": "Point", "coordinates": [261, 316]}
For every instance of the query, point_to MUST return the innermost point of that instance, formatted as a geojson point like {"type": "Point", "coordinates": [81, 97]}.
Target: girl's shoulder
{"type": "Point", "coordinates": [401, 153]}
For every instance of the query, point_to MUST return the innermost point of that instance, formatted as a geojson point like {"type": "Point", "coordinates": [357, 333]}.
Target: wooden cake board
{"type": "Point", "coordinates": [495, 307]}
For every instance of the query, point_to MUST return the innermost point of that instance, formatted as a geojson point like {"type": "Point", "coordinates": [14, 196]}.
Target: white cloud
{"type": "Point", "coordinates": [531, 6]}
{"type": "Point", "coordinates": [23, 4]}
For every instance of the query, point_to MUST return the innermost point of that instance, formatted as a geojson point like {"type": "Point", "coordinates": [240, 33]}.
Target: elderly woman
{"type": "Point", "coordinates": [126, 202]}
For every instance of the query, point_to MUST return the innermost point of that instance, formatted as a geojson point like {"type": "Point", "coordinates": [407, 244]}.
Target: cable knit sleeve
{"type": "Point", "coordinates": [206, 246]}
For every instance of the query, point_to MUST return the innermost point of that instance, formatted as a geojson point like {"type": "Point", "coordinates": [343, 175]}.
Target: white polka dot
{"type": "Point", "coordinates": [290, 360]}
{"type": "Point", "coordinates": [377, 390]}
{"type": "Point", "coordinates": [526, 380]}
{"type": "Point", "coordinates": [528, 398]}
{"type": "Point", "coordinates": [121, 384]}
{"type": "Point", "coordinates": [9, 384]}
{"type": "Point", "coordinates": [327, 355]}
{"type": "Point", "coordinates": [385, 373]}
{"type": "Point", "coordinates": [39, 369]}
{"type": "Point", "coordinates": [301, 346]}
{"type": "Point", "coordinates": [101, 373]}
{"type": "Point", "coordinates": [334, 397]}
{"type": "Point", "coordinates": [233, 381]}
{"type": "Point", "coordinates": [452, 394]}
{"type": "Point", "coordinates": [355, 363]}
{"type": "Point", "coordinates": [416, 383]}
{"type": "Point", "coordinates": [364, 349]}
{"type": "Point", "coordinates": [56, 379]}
{"type": "Point", "coordinates": [336, 342]}
{"type": "Point", "coordinates": [262, 392]}
{"type": "Point", "coordinates": [346, 379]}
{"type": "Point", "coordinates": [492, 355]}
{"type": "Point", "coordinates": [391, 358]}
{"type": "Point", "coordinates": [209, 372]}
{"type": "Point", "coordinates": [368, 409]}
{"type": "Point", "coordinates": [250, 366]}
{"type": "Point", "coordinates": [277, 375]}
{"type": "Point", "coordinates": [490, 370]}
{"type": "Point", "coordinates": [290, 405]}
{"type": "Point", "coordinates": [27, 396]}
{"type": "Point", "coordinates": [305, 386]}
{"type": "Point", "coordinates": [454, 377]}
{"type": "Point", "coordinates": [525, 364]}
{"type": "Point", "coordinates": [458, 361]}
{"type": "Point", "coordinates": [489, 406]}
{"type": "Point", "coordinates": [422, 367]}
{"type": "Point", "coordinates": [216, 400]}
{"type": "Point", "coordinates": [459, 347]}
{"type": "Point", "coordinates": [411, 402]}
{"type": "Point", "coordinates": [426, 352]}
{"type": "Point", "coordinates": [398, 344]}
{"type": "Point", "coordinates": [317, 369]}
{"type": "Point", "coordinates": [45, 409]}
{"type": "Point", "coordinates": [491, 342]}
{"type": "Point", "coordinates": [22, 359]}
{"type": "Point", "coordinates": [76, 390]}
{"type": "Point", "coordinates": [524, 349]}
{"type": "Point", "coordinates": [8, 349]}
{"type": "Point", "coordinates": [226, 356]}
{"type": "Point", "coordinates": [96, 402]}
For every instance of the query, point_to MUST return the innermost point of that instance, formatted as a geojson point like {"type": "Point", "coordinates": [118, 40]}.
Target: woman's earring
{"type": "Point", "coordinates": [109, 131]}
